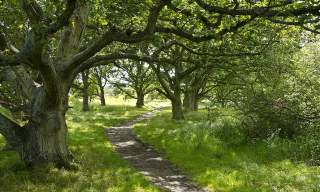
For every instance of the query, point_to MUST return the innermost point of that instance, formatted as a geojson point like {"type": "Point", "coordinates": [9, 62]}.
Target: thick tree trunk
{"type": "Point", "coordinates": [177, 112]}
{"type": "Point", "coordinates": [102, 97]}
{"type": "Point", "coordinates": [46, 142]}
{"type": "Point", "coordinates": [140, 99]}
{"type": "Point", "coordinates": [43, 139]}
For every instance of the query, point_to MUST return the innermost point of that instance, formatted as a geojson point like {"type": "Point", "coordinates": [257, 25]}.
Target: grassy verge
{"type": "Point", "coordinates": [100, 168]}
{"type": "Point", "coordinates": [221, 166]}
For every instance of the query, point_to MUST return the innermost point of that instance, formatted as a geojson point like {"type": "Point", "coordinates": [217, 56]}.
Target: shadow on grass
{"type": "Point", "coordinates": [100, 168]}
{"type": "Point", "coordinates": [223, 167]}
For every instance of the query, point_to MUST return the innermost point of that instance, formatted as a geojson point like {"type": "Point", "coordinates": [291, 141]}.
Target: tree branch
{"type": "Point", "coordinates": [104, 59]}
{"type": "Point", "coordinates": [63, 19]}
{"type": "Point", "coordinates": [200, 17]}
{"type": "Point", "coordinates": [261, 11]}
{"type": "Point", "coordinates": [118, 86]}
{"type": "Point", "coordinates": [33, 10]}
{"type": "Point", "coordinates": [120, 36]}
{"type": "Point", "coordinates": [199, 39]}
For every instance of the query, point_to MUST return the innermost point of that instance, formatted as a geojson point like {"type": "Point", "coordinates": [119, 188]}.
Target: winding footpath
{"type": "Point", "coordinates": [145, 159]}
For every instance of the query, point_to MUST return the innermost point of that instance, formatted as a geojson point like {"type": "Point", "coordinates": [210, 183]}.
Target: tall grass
{"type": "Point", "coordinates": [216, 156]}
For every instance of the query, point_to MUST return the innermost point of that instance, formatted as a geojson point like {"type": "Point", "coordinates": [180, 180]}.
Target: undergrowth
{"type": "Point", "coordinates": [216, 155]}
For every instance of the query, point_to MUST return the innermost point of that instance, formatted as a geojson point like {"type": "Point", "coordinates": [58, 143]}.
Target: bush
{"type": "Point", "coordinates": [266, 115]}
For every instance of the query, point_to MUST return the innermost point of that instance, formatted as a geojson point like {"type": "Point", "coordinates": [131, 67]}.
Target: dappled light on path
{"type": "Point", "coordinates": [150, 163]}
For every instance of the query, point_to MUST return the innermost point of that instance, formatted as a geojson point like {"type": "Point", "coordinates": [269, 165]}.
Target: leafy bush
{"type": "Point", "coordinates": [266, 116]}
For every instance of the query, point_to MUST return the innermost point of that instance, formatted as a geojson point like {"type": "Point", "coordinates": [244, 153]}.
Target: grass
{"type": "Point", "coordinates": [219, 166]}
{"type": "Point", "coordinates": [100, 168]}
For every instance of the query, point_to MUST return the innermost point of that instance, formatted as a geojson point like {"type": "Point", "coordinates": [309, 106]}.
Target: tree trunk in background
{"type": "Point", "coordinates": [190, 101]}
{"type": "Point", "coordinates": [177, 112]}
{"type": "Point", "coordinates": [140, 99]}
{"type": "Point", "coordinates": [102, 97]}
{"type": "Point", "coordinates": [196, 104]}
{"type": "Point", "coordinates": [85, 91]}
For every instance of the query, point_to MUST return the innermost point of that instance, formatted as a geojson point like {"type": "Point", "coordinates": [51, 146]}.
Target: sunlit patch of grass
{"type": "Point", "coordinates": [224, 167]}
{"type": "Point", "coordinates": [100, 168]}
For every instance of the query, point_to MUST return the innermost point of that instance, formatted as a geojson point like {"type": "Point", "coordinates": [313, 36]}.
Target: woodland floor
{"type": "Point", "coordinates": [123, 163]}
{"type": "Point", "coordinates": [145, 159]}
{"type": "Point", "coordinates": [100, 168]}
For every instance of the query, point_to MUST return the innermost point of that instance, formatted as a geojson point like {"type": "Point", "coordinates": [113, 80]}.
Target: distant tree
{"type": "Point", "coordinates": [137, 76]}
{"type": "Point", "coordinates": [100, 74]}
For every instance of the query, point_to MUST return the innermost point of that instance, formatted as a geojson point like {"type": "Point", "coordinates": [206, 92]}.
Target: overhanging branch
{"type": "Point", "coordinates": [63, 19]}
{"type": "Point", "coordinates": [120, 36]}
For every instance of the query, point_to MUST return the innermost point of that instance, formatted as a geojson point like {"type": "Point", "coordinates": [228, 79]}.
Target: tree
{"type": "Point", "coordinates": [43, 138]}
{"type": "Point", "coordinates": [100, 73]}
{"type": "Point", "coordinates": [137, 76]}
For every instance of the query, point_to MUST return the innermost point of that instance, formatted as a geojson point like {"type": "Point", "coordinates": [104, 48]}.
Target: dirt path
{"type": "Point", "coordinates": [145, 159]}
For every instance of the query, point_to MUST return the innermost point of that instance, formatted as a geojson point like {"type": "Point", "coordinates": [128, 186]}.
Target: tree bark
{"type": "Point", "coordinates": [43, 139]}
{"type": "Point", "coordinates": [177, 112]}
{"type": "Point", "coordinates": [190, 101]}
{"type": "Point", "coordinates": [102, 97]}
{"type": "Point", "coordinates": [85, 91]}
{"type": "Point", "coordinates": [140, 99]}
{"type": "Point", "coordinates": [46, 142]}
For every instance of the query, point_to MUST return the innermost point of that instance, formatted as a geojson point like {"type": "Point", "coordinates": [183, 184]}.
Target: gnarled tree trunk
{"type": "Point", "coordinates": [46, 141]}
{"type": "Point", "coordinates": [43, 139]}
